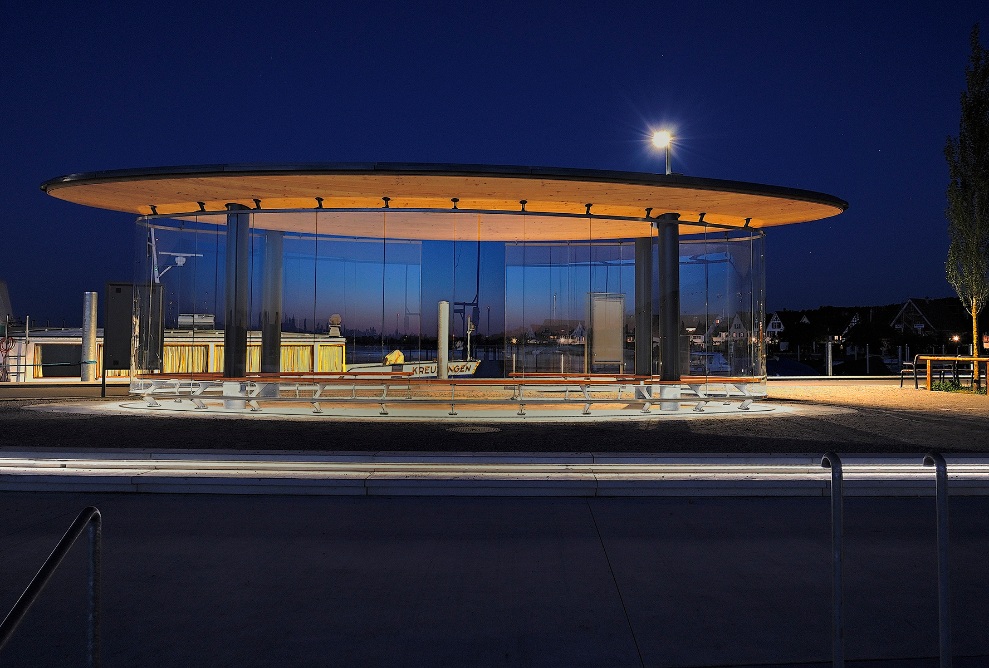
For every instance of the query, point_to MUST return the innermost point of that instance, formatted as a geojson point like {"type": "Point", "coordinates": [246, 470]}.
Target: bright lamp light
{"type": "Point", "coordinates": [662, 138]}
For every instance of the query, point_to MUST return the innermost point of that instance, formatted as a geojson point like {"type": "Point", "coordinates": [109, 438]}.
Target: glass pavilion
{"type": "Point", "coordinates": [330, 269]}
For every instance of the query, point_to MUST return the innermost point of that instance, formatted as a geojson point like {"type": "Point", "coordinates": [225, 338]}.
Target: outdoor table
{"type": "Point", "coordinates": [955, 359]}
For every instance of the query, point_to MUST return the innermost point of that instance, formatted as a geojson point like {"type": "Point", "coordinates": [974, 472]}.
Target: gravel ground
{"type": "Point", "coordinates": [846, 417]}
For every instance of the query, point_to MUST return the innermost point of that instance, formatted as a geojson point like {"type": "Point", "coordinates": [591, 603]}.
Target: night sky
{"type": "Point", "coordinates": [850, 101]}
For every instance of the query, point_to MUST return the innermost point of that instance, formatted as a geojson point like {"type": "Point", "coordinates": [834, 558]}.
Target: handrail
{"type": "Point", "coordinates": [936, 460]}
{"type": "Point", "coordinates": [89, 517]}
{"type": "Point", "coordinates": [831, 461]}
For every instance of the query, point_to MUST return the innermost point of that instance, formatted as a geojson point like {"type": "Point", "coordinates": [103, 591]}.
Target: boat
{"type": "Point", "coordinates": [455, 369]}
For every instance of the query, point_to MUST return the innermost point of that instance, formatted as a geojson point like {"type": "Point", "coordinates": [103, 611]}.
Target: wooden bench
{"type": "Point", "coordinates": [941, 364]}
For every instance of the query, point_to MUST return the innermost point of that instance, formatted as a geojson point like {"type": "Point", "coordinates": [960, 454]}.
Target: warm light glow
{"type": "Point", "coordinates": [662, 138]}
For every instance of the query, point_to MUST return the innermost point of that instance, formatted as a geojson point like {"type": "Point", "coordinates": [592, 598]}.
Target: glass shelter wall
{"type": "Point", "coordinates": [722, 303]}
{"type": "Point", "coordinates": [325, 291]}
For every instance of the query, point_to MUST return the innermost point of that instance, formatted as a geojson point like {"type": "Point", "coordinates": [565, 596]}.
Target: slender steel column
{"type": "Point", "coordinates": [271, 303]}
{"type": "Point", "coordinates": [669, 296]}
{"type": "Point", "coordinates": [236, 291]}
{"type": "Point", "coordinates": [643, 306]}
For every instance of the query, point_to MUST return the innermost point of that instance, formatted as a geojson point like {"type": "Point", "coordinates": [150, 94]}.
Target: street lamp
{"type": "Point", "coordinates": [663, 139]}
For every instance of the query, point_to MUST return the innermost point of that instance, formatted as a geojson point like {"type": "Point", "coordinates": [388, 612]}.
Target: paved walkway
{"type": "Point", "coordinates": [629, 565]}
{"type": "Point", "coordinates": [206, 580]}
{"type": "Point", "coordinates": [848, 417]}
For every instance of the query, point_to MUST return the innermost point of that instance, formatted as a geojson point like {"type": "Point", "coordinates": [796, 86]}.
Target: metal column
{"type": "Point", "coordinates": [643, 306]}
{"type": "Point", "coordinates": [236, 291]}
{"type": "Point", "coordinates": [271, 303]}
{"type": "Point", "coordinates": [669, 296]}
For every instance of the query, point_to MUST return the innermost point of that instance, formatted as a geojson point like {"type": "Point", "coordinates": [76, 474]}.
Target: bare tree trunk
{"type": "Point", "coordinates": [975, 329]}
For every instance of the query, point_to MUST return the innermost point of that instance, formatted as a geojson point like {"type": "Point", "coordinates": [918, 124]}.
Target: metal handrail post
{"type": "Point", "coordinates": [90, 517]}
{"type": "Point", "coordinates": [95, 588]}
{"type": "Point", "coordinates": [944, 607]}
{"type": "Point", "coordinates": [833, 462]}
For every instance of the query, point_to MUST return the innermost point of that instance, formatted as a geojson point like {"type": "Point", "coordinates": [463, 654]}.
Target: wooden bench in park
{"type": "Point", "coordinates": [942, 365]}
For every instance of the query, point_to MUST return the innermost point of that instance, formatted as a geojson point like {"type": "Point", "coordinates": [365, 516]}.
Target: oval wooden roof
{"type": "Point", "coordinates": [185, 190]}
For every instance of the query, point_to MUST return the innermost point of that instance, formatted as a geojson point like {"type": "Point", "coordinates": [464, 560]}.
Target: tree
{"type": "Point", "coordinates": [967, 267]}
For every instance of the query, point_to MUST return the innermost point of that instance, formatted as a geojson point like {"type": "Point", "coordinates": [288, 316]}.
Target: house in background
{"type": "Point", "coordinates": [737, 331]}
{"type": "Point", "coordinates": [895, 331]}
{"type": "Point", "coordinates": [910, 318]}
{"type": "Point", "coordinates": [774, 328]}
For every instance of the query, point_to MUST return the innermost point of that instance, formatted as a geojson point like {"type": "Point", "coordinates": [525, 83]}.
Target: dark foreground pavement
{"type": "Point", "coordinates": [263, 581]}
{"type": "Point", "coordinates": [813, 429]}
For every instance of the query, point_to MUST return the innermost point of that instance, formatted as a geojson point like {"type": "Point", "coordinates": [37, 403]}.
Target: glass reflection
{"type": "Point", "coordinates": [329, 291]}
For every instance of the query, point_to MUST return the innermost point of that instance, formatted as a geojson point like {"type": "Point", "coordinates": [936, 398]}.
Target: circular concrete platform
{"type": "Point", "coordinates": [569, 414]}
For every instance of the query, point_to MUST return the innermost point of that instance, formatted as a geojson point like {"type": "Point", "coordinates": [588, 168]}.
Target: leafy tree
{"type": "Point", "coordinates": [967, 267]}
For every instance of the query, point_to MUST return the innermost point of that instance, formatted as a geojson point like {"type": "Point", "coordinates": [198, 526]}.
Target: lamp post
{"type": "Point", "coordinates": [663, 139]}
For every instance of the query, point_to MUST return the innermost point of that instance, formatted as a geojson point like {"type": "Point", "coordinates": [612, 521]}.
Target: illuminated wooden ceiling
{"type": "Point", "coordinates": [185, 190]}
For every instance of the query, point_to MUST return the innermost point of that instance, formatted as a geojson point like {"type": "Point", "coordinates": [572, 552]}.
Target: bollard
{"type": "Point", "coordinates": [944, 608]}
{"type": "Point", "coordinates": [442, 339]}
{"type": "Point", "coordinates": [87, 373]}
{"type": "Point", "coordinates": [833, 462]}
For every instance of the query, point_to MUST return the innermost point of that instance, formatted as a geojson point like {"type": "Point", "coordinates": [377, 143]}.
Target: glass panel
{"type": "Point", "coordinates": [402, 308]}
{"type": "Point", "coordinates": [526, 303]}
{"type": "Point", "coordinates": [702, 312]}
{"type": "Point", "coordinates": [722, 292]}
{"type": "Point", "coordinates": [548, 286]}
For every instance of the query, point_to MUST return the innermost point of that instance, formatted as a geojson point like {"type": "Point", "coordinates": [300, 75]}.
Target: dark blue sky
{"type": "Point", "coordinates": [851, 101]}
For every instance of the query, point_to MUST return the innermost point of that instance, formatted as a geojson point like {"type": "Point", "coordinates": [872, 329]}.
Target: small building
{"type": "Point", "coordinates": [388, 245]}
